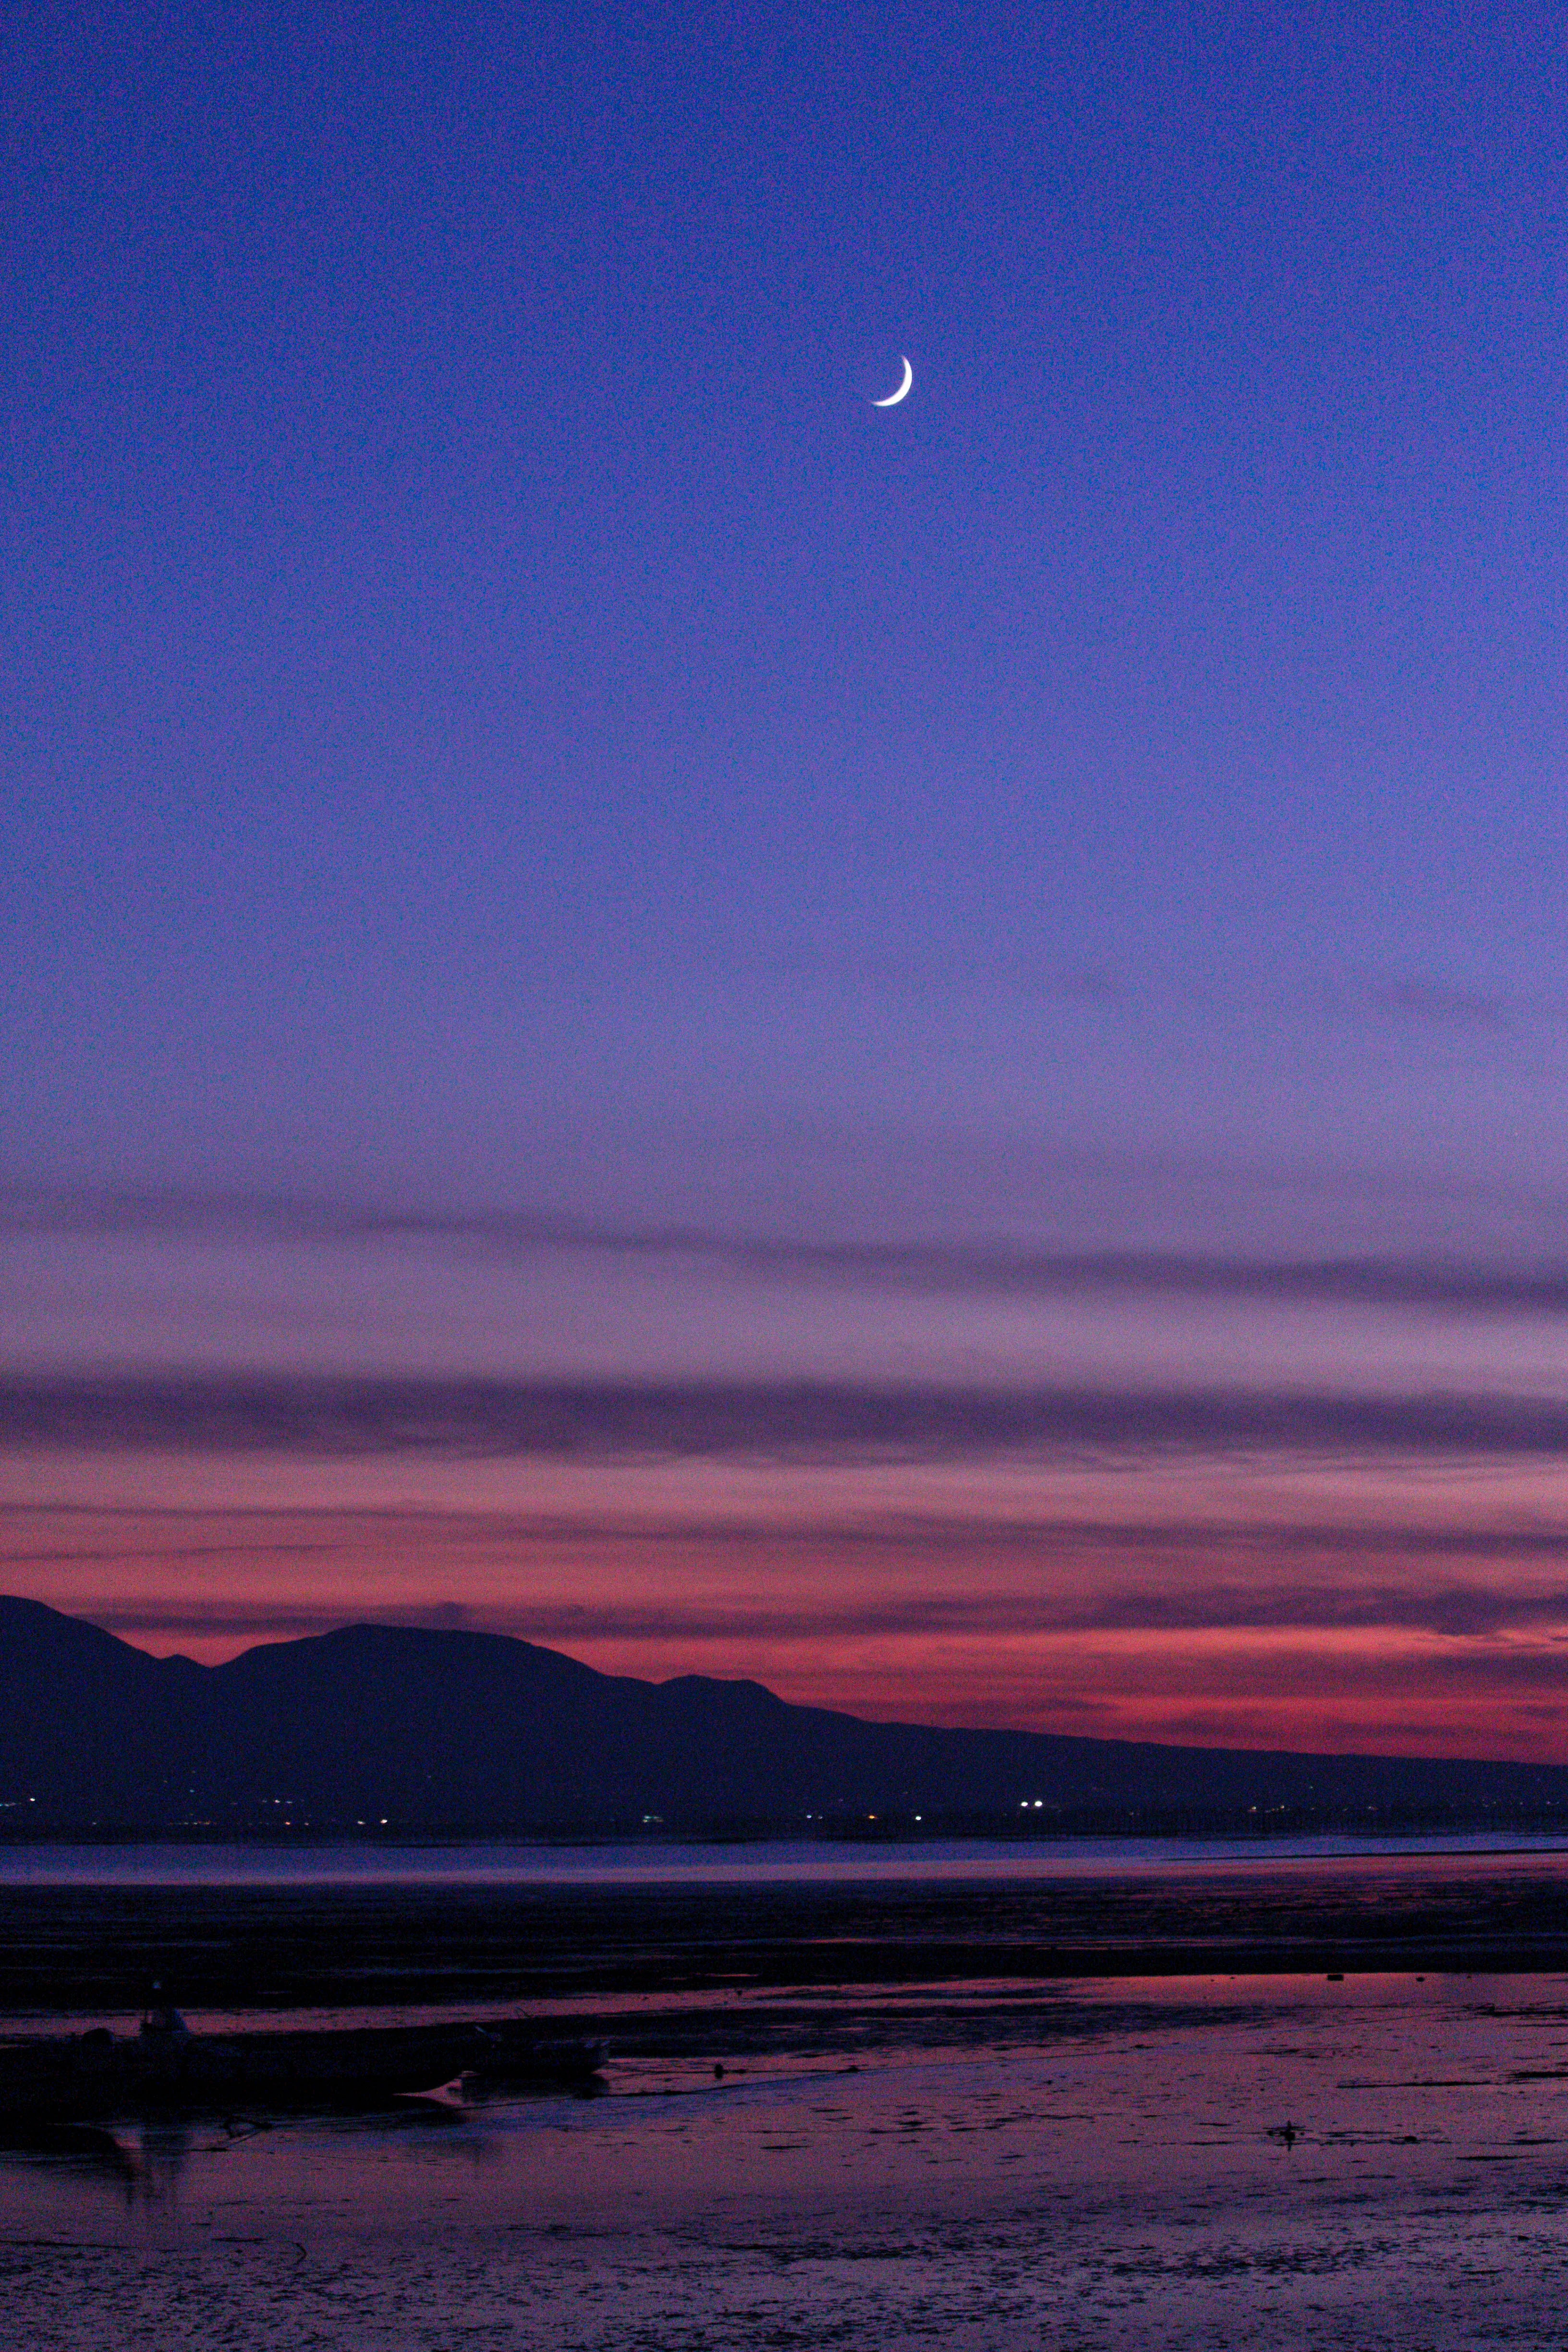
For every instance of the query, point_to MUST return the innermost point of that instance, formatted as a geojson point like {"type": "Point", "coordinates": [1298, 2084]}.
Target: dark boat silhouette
{"type": "Point", "coordinates": [65, 2077]}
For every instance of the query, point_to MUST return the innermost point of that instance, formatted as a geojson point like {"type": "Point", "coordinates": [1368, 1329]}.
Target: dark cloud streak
{"type": "Point", "coordinates": [921, 1266]}
{"type": "Point", "coordinates": [916, 1534]}
{"type": "Point", "coordinates": [795, 1420]}
{"type": "Point", "coordinates": [1459, 1612]}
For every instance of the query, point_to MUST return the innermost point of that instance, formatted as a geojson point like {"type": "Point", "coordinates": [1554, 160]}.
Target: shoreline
{"type": "Point", "coordinates": [76, 1951]}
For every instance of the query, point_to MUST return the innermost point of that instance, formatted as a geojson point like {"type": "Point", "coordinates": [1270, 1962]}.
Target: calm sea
{"type": "Point", "coordinates": [502, 1863]}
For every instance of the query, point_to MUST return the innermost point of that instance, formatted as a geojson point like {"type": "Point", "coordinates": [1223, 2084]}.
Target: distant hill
{"type": "Point", "coordinates": [456, 1730]}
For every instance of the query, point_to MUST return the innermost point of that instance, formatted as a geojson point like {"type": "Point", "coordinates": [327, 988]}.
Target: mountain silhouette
{"type": "Point", "coordinates": [446, 1730]}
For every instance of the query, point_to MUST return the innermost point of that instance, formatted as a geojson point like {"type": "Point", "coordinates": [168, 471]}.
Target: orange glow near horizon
{"type": "Point", "coordinates": [1377, 1605]}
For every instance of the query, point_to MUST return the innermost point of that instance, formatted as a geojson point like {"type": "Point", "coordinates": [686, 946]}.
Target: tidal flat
{"type": "Point", "coordinates": [790, 2154]}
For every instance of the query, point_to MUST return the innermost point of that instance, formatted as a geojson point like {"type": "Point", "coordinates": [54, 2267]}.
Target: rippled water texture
{"type": "Point", "coordinates": [1177, 2162]}
{"type": "Point", "coordinates": [1166, 2160]}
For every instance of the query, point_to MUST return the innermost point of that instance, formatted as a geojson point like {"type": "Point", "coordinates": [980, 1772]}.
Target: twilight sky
{"type": "Point", "coordinates": [548, 842]}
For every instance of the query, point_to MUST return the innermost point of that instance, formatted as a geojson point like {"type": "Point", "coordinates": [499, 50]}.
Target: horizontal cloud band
{"type": "Point", "coordinates": [788, 1420]}
{"type": "Point", "coordinates": [953, 1267]}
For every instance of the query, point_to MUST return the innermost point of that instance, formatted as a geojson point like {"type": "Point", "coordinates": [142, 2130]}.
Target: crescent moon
{"type": "Point", "coordinates": [894, 397]}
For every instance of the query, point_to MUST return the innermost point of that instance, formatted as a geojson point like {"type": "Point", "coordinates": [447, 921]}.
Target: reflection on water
{"type": "Point", "coordinates": [1140, 2086]}
{"type": "Point", "coordinates": [87, 2152]}
{"type": "Point", "coordinates": [145, 2163]}
{"type": "Point", "coordinates": [1248, 2161]}
{"type": "Point", "coordinates": [165, 2155]}
{"type": "Point", "coordinates": [763, 1861]}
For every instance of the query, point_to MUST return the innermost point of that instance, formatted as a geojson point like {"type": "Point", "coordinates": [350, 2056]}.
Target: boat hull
{"type": "Point", "coordinates": [63, 2077]}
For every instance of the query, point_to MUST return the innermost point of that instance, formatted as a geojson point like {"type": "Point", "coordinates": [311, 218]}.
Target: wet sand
{"type": "Point", "coordinates": [945, 2112]}
{"type": "Point", "coordinates": [83, 1949]}
{"type": "Point", "coordinates": [1173, 2162]}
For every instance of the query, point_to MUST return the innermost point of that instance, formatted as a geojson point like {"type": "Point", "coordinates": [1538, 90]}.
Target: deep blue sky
{"type": "Point", "coordinates": [494, 714]}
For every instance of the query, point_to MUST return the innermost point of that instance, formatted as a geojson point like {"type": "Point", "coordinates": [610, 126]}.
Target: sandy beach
{"type": "Point", "coordinates": [1179, 2161]}
{"type": "Point", "coordinates": [787, 2155]}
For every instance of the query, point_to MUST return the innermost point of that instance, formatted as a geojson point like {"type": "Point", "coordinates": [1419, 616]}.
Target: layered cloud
{"type": "Point", "coordinates": [1287, 1596]}
{"type": "Point", "coordinates": [792, 1420]}
{"type": "Point", "coordinates": [1491, 1285]}
{"type": "Point", "coordinates": [1303, 1496]}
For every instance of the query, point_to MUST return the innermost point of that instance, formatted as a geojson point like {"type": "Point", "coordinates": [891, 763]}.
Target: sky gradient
{"type": "Point", "coordinates": [549, 842]}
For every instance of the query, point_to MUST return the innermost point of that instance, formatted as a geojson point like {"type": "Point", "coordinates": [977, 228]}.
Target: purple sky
{"type": "Point", "coordinates": [546, 838]}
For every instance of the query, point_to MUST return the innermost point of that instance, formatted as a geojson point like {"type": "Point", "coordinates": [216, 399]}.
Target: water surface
{"type": "Point", "coordinates": [1174, 2162]}
{"type": "Point", "coordinates": [757, 1861]}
